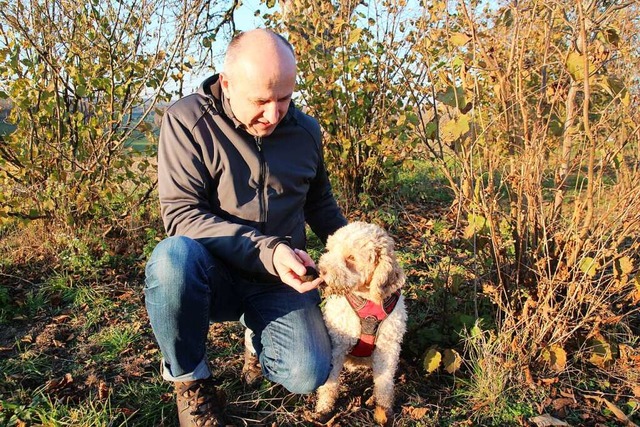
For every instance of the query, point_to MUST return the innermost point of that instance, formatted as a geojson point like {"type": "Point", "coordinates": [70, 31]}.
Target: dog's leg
{"type": "Point", "coordinates": [385, 363]}
{"type": "Point", "coordinates": [328, 393]}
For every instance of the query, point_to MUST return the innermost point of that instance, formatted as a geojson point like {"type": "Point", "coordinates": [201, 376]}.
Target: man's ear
{"type": "Point", "coordinates": [224, 84]}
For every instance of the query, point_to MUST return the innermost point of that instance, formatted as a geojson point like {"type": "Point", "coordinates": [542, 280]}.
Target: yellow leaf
{"type": "Point", "coordinates": [634, 295]}
{"type": "Point", "coordinates": [454, 129]}
{"type": "Point", "coordinates": [589, 266]}
{"type": "Point", "coordinates": [459, 39]}
{"type": "Point", "coordinates": [431, 360]}
{"type": "Point", "coordinates": [556, 357]}
{"type": "Point", "coordinates": [600, 351]}
{"type": "Point", "coordinates": [354, 36]}
{"type": "Point", "coordinates": [452, 361]}
{"type": "Point", "coordinates": [575, 66]}
{"type": "Point", "coordinates": [623, 266]}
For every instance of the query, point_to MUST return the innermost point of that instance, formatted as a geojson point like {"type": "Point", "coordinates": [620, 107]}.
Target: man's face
{"type": "Point", "coordinates": [259, 98]}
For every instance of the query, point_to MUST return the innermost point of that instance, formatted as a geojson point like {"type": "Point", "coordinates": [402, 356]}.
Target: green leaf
{"type": "Point", "coordinates": [453, 97]}
{"type": "Point", "coordinates": [431, 130]}
{"type": "Point", "coordinates": [476, 331]}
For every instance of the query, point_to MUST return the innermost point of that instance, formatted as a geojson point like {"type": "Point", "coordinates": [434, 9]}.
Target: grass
{"type": "Point", "coordinates": [76, 348]}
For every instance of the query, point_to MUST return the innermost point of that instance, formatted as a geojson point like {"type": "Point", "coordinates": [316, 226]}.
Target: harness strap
{"type": "Point", "coordinates": [371, 315]}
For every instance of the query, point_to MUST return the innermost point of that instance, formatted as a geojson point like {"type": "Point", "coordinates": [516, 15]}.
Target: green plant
{"type": "Point", "coordinates": [113, 340]}
{"type": "Point", "coordinates": [489, 387]}
{"type": "Point", "coordinates": [351, 82]}
{"type": "Point", "coordinates": [94, 412]}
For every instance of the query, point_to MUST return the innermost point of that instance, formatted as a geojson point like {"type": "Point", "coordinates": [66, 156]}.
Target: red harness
{"type": "Point", "coordinates": [371, 315]}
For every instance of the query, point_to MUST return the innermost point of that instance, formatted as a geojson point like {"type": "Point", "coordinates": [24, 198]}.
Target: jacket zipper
{"type": "Point", "coordinates": [262, 202]}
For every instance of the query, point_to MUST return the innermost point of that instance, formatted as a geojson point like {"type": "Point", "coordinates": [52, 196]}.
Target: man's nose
{"type": "Point", "coordinates": [271, 112]}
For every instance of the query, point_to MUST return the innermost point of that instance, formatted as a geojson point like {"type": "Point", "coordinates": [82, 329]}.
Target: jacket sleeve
{"type": "Point", "coordinates": [185, 207]}
{"type": "Point", "coordinates": [321, 210]}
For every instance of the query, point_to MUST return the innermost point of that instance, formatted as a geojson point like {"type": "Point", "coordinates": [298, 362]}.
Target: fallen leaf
{"type": "Point", "coordinates": [561, 402]}
{"type": "Point", "coordinates": [103, 391]}
{"type": "Point", "coordinates": [58, 384]}
{"type": "Point", "coordinates": [451, 361]}
{"type": "Point", "coordinates": [555, 356]}
{"type": "Point", "coordinates": [414, 412]}
{"type": "Point", "coordinates": [61, 318]}
{"type": "Point", "coordinates": [546, 420]}
{"type": "Point", "coordinates": [431, 360]}
{"type": "Point", "coordinates": [126, 411]}
{"type": "Point", "coordinates": [621, 416]}
{"type": "Point", "coordinates": [527, 375]}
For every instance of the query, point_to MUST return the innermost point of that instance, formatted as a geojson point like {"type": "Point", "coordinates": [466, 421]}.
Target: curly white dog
{"type": "Point", "coordinates": [364, 312]}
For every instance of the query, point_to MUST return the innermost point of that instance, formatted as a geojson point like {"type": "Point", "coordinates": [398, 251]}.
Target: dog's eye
{"type": "Point", "coordinates": [350, 261]}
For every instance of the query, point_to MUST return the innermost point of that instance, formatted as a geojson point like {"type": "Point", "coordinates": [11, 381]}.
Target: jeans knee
{"type": "Point", "coordinates": [305, 378]}
{"type": "Point", "coordinates": [173, 266]}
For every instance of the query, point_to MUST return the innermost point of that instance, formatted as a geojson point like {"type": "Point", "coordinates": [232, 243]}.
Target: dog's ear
{"type": "Point", "coordinates": [387, 276]}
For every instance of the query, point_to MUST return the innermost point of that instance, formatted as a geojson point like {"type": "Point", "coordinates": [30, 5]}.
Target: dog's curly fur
{"type": "Point", "coordinates": [360, 258]}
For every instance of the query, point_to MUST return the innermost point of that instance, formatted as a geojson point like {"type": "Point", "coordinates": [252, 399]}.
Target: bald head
{"type": "Point", "coordinates": [258, 79]}
{"type": "Point", "coordinates": [255, 47]}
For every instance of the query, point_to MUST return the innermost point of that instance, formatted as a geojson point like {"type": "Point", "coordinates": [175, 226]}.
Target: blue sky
{"type": "Point", "coordinates": [245, 19]}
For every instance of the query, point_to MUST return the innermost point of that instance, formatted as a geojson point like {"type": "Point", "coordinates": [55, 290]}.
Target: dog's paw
{"type": "Point", "coordinates": [383, 416]}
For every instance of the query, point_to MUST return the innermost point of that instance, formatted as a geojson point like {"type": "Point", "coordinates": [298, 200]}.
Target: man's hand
{"type": "Point", "coordinates": [291, 265]}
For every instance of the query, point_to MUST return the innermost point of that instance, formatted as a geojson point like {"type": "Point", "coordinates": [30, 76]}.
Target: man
{"type": "Point", "coordinates": [240, 170]}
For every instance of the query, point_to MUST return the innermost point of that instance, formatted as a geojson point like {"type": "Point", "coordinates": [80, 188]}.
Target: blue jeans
{"type": "Point", "coordinates": [186, 288]}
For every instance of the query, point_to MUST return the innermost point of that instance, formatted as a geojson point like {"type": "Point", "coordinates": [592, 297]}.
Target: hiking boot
{"type": "Point", "coordinates": [200, 404]}
{"type": "Point", "coordinates": [251, 370]}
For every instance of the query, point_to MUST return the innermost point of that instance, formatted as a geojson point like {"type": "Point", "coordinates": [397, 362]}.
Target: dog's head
{"type": "Point", "coordinates": [360, 258]}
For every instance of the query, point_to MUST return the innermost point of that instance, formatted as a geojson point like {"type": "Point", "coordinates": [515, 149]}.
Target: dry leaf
{"type": "Point", "coordinates": [58, 384]}
{"type": "Point", "coordinates": [103, 391]}
{"type": "Point", "coordinates": [621, 416]}
{"type": "Point", "coordinates": [561, 402]}
{"type": "Point", "coordinates": [527, 375]}
{"type": "Point", "coordinates": [600, 350]}
{"type": "Point", "coordinates": [634, 295]}
{"type": "Point", "coordinates": [555, 356]}
{"type": "Point", "coordinates": [452, 361]}
{"type": "Point", "coordinates": [415, 413]}
{"type": "Point", "coordinates": [546, 420]}
{"type": "Point", "coordinates": [61, 318]}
